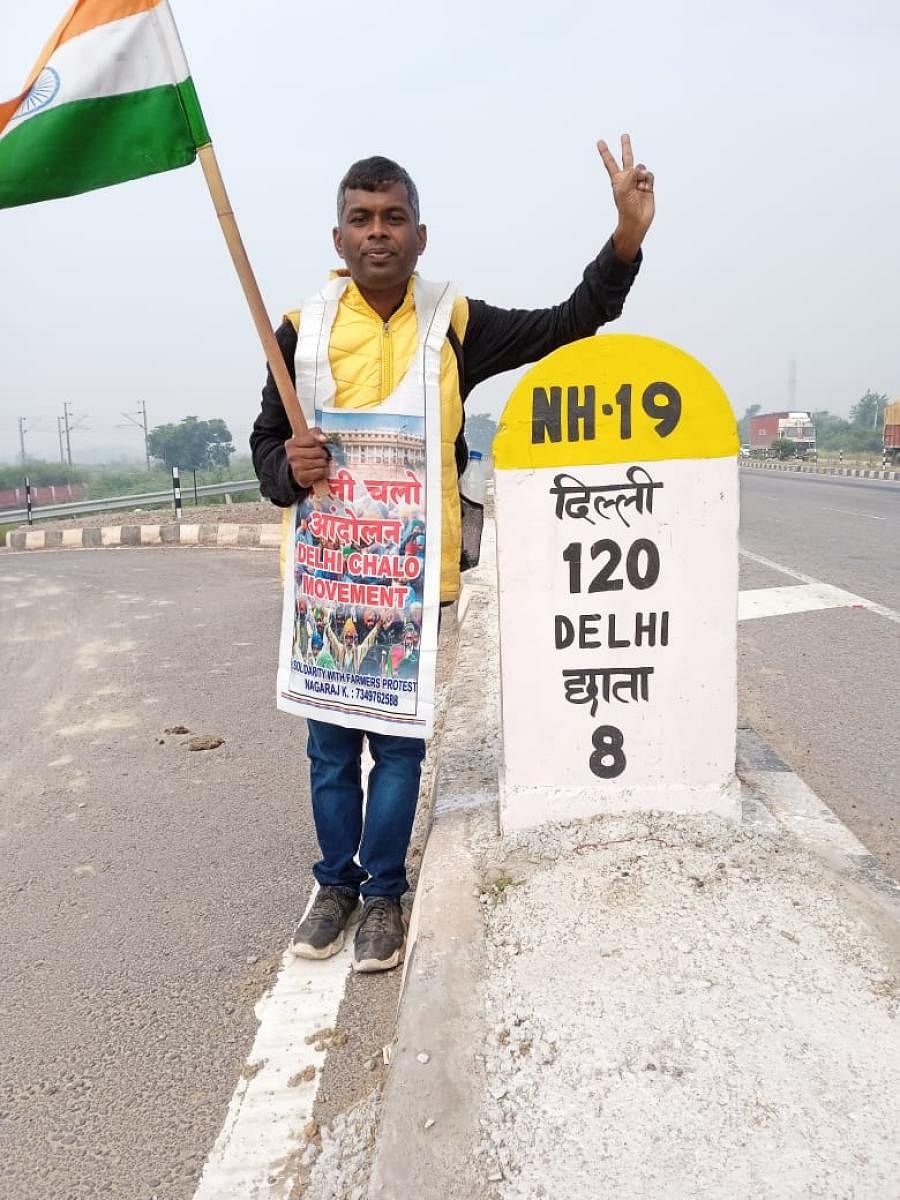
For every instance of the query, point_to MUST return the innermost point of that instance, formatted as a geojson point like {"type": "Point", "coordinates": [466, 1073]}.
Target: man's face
{"type": "Point", "coordinates": [378, 237]}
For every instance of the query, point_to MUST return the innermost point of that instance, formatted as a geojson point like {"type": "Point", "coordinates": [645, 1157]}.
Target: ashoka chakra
{"type": "Point", "coordinates": [42, 91]}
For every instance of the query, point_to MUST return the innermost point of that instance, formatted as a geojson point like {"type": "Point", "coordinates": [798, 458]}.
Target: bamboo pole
{"type": "Point", "coordinates": [235, 243]}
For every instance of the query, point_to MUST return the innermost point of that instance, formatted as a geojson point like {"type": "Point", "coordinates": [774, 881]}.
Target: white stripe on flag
{"type": "Point", "coordinates": [168, 31]}
{"type": "Point", "coordinates": [114, 59]}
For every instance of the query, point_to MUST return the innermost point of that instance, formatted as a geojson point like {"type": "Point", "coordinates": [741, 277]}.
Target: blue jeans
{"type": "Point", "coordinates": [337, 801]}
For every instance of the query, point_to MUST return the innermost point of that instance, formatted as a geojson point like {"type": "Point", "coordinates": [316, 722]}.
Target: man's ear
{"type": "Point", "coordinates": [338, 240]}
{"type": "Point", "coordinates": [422, 235]}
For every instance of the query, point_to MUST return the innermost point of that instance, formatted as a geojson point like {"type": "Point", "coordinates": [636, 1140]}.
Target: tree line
{"type": "Point", "coordinates": [191, 444]}
{"type": "Point", "coordinates": [861, 431]}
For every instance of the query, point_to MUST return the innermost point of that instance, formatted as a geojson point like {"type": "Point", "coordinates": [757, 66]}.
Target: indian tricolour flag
{"type": "Point", "coordinates": [111, 98]}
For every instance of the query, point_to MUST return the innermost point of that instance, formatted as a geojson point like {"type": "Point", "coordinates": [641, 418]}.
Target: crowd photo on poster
{"type": "Point", "coordinates": [359, 566]}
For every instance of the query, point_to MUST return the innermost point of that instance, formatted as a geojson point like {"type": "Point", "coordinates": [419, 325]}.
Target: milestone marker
{"type": "Point", "coordinates": [617, 513]}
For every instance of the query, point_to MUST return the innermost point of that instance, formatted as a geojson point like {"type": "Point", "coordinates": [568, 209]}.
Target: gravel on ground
{"type": "Point", "coordinates": [679, 1008]}
{"type": "Point", "coordinates": [338, 1157]}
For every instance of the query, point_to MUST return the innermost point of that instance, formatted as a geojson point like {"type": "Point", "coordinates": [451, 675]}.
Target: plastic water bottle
{"type": "Point", "coordinates": [472, 490]}
{"type": "Point", "coordinates": [473, 481]}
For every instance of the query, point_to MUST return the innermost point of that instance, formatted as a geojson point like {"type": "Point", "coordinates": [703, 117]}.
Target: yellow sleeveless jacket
{"type": "Point", "coordinates": [368, 359]}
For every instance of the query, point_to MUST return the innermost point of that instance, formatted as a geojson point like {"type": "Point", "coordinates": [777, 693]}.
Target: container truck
{"type": "Point", "coordinates": [796, 427]}
{"type": "Point", "coordinates": [892, 431]}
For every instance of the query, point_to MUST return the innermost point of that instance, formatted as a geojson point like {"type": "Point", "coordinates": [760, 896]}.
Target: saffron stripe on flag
{"type": "Point", "coordinates": [91, 13]}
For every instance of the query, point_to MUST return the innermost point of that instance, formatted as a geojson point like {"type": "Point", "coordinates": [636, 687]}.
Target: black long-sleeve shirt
{"type": "Point", "coordinates": [496, 340]}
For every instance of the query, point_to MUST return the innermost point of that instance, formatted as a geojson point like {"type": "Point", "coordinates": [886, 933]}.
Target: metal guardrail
{"type": "Point", "coordinates": [15, 516]}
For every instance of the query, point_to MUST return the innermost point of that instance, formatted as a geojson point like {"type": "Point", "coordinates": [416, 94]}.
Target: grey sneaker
{"type": "Point", "coordinates": [321, 932]}
{"type": "Point", "coordinates": [381, 937]}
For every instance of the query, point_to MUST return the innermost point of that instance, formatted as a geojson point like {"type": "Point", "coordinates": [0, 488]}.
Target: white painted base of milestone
{"type": "Point", "coordinates": [523, 807]}
{"type": "Point", "coordinates": [680, 740]}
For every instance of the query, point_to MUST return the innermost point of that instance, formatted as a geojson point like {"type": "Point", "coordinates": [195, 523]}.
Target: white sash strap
{"type": "Point", "coordinates": [434, 306]}
{"type": "Point", "coordinates": [315, 382]}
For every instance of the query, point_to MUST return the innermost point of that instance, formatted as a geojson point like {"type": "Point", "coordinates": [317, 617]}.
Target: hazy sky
{"type": "Point", "coordinates": [771, 127]}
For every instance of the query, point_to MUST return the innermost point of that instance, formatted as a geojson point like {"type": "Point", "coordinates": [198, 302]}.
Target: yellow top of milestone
{"type": "Point", "coordinates": [611, 399]}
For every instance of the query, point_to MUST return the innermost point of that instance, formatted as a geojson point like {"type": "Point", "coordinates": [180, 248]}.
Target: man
{"type": "Point", "coordinates": [406, 663]}
{"type": "Point", "coordinates": [350, 652]}
{"type": "Point", "coordinates": [370, 664]}
{"type": "Point", "coordinates": [318, 656]}
{"type": "Point", "coordinates": [372, 341]}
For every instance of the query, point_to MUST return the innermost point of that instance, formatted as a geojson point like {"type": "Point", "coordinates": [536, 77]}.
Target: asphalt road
{"type": "Point", "coordinates": [824, 687]}
{"type": "Point", "coordinates": [146, 892]}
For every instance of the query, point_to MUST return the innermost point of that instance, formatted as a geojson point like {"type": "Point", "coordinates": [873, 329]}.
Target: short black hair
{"type": "Point", "coordinates": [374, 175]}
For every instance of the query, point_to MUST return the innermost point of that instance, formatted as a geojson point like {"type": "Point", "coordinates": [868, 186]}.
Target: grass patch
{"type": "Point", "coordinates": [501, 886]}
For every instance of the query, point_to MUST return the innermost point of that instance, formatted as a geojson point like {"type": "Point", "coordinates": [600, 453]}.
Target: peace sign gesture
{"type": "Point", "coordinates": [633, 195]}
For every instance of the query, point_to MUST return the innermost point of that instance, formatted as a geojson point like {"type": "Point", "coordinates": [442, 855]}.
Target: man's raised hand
{"type": "Point", "coordinates": [633, 195]}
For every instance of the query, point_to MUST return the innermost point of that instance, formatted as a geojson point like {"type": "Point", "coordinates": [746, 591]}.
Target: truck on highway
{"type": "Point", "coordinates": [796, 427]}
{"type": "Point", "coordinates": [892, 431]}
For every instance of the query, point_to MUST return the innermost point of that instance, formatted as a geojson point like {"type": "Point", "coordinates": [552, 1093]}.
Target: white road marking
{"type": "Point", "coordinates": [796, 805]}
{"type": "Point", "coordinates": [780, 601]}
{"type": "Point", "coordinates": [264, 1125]}
{"type": "Point", "coordinates": [851, 512]}
{"type": "Point", "coordinates": [818, 591]}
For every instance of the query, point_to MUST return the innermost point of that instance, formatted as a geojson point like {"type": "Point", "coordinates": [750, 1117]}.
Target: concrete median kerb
{"type": "Point", "coordinates": [264, 536]}
{"type": "Point", "coordinates": [433, 1105]}
{"type": "Point", "coordinates": [762, 464]}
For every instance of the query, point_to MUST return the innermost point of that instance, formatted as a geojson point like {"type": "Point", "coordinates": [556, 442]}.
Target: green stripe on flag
{"type": "Point", "coordinates": [90, 144]}
{"type": "Point", "coordinates": [191, 104]}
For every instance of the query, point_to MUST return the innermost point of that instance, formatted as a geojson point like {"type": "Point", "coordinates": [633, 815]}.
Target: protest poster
{"type": "Point", "coordinates": [362, 578]}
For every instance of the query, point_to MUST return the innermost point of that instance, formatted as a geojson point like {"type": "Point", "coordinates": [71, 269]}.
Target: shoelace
{"type": "Point", "coordinates": [327, 907]}
{"type": "Point", "coordinates": [378, 916]}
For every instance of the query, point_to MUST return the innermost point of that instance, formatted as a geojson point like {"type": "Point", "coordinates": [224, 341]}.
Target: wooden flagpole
{"type": "Point", "coordinates": [274, 357]}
